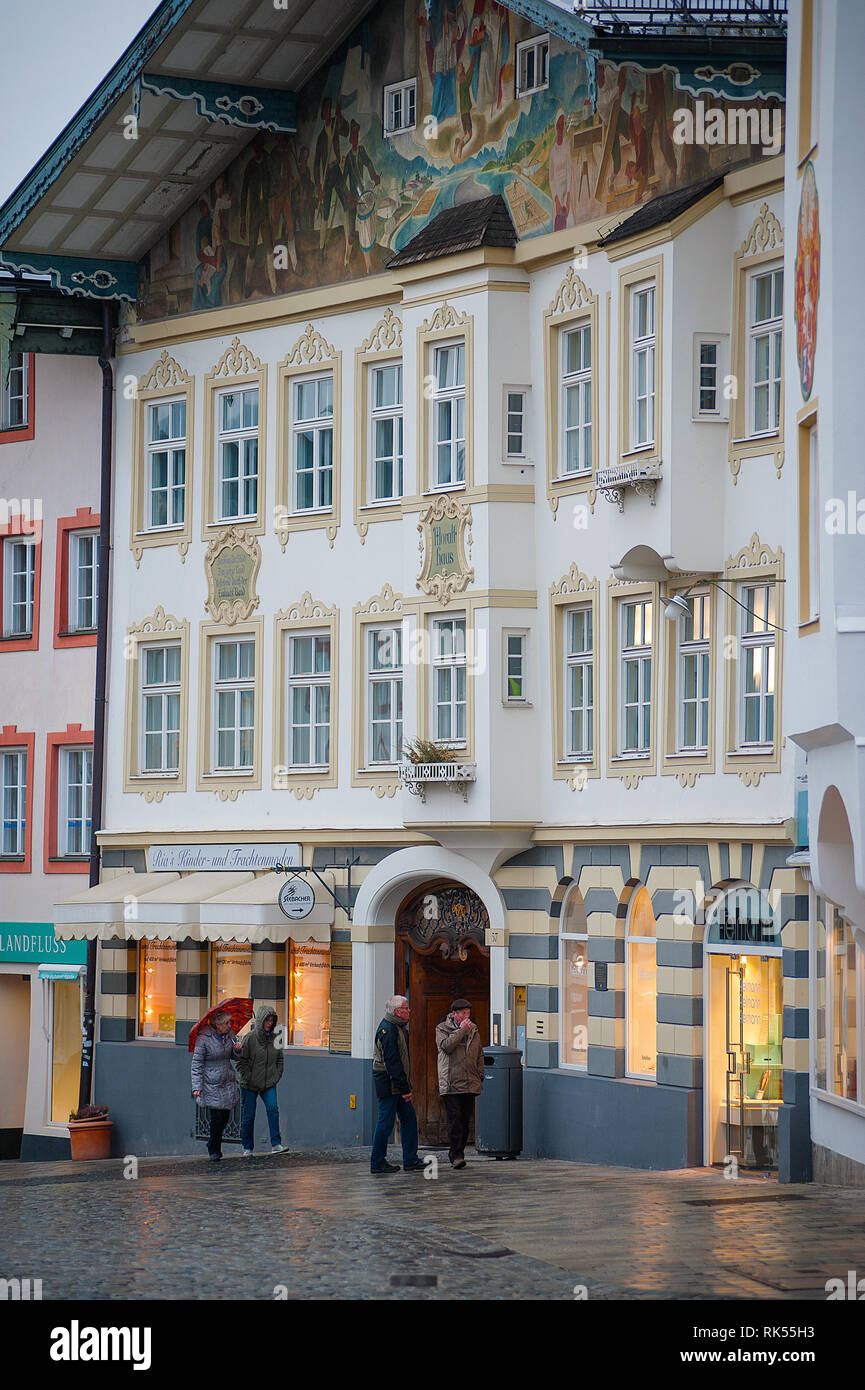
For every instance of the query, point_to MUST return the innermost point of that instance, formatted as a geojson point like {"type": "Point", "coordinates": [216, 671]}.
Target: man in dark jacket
{"type": "Point", "coordinates": [460, 1074]}
{"type": "Point", "coordinates": [392, 1079]}
{"type": "Point", "coordinates": [259, 1068]}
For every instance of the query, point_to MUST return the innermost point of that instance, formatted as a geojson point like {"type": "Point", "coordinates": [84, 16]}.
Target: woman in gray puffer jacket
{"type": "Point", "coordinates": [213, 1080]}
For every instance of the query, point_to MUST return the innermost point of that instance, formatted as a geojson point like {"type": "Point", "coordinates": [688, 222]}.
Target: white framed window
{"type": "Point", "coordinates": [533, 65]}
{"type": "Point", "coordinates": [400, 106]}
{"type": "Point", "coordinates": [19, 579]}
{"type": "Point", "coordinates": [75, 791]}
{"type": "Point", "coordinates": [579, 683]}
{"type": "Point", "coordinates": [13, 771]}
{"type": "Point", "coordinates": [643, 344]}
{"type": "Point", "coordinates": [710, 368]}
{"type": "Point", "coordinates": [312, 443]}
{"type": "Point", "coordinates": [165, 506]}
{"type": "Point", "coordinates": [309, 694]}
{"type": "Point", "coordinates": [234, 705]}
{"type": "Point", "coordinates": [574, 980]}
{"type": "Point", "coordinates": [693, 633]}
{"type": "Point", "coordinates": [237, 452]}
{"type": "Point", "coordinates": [14, 393]}
{"type": "Point", "coordinates": [449, 672]}
{"type": "Point", "coordinates": [575, 451]}
{"type": "Point", "coordinates": [635, 702]}
{"type": "Point", "coordinates": [515, 422]}
{"type": "Point", "coordinates": [159, 720]}
{"type": "Point", "coordinates": [765, 350]}
{"type": "Point", "coordinates": [814, 525]}
{"type": "Point", "coordinates": [449, 415]}
{"type": "Point", "coordinates": [386, 428]}
{"type": "Point", "coordinates": [757, 665]}
{"type": "Point", "coordinates": [384, 694]}
{"type": "Point", "coordinates": [83, 580]}
{"type": "Point", "coordinates": [515, 652]}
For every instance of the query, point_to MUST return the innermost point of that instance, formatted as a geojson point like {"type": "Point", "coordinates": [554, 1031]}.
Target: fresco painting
{"type": "Point", "coordinates": [807, 281]}
{"type": "Point", "coordinates": [335, 200]}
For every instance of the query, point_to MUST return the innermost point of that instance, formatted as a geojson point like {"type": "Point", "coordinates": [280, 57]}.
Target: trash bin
{"type": "Point", "coordinates": [500, 1104]}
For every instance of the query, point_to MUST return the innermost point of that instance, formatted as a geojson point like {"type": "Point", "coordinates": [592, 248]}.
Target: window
{"type": "Point", "coordinates": [231, 972]}
{"type": "Point", "coordinates": [449, 679]}
{"type": "Point", "coordinates": [159, 720]}
{"type": "Point", "coordinates": [757, 665]}
{"type": "Point", "coordinates": [400, 106]}
{"type": "Point", "coordinates": [641, 1009]}
{"type": "Point", "coordinates": [234, 699]}
{"type": "Point", "coordinates": [636, 676]}
{"type": "Point", "coordinates": [579, 683]}
{"type": "Point", "coordinates": [693, 635]}
{"type": "Point", "coordinates": [642, 366]}
{"type": "Point", "coordinates": [19, 579]}
{"type": "Point", "coordinates": [765, 302]}
{"type": "Point", "coordinates": [515, 423]}
{"type": "Point", "coordinates": [13, 769]}
{"type": "Point", "coordinates": [312, 443]}
{"type": "Point", "coordinates": [842, 984]}
{"type": "Point", "coordinates": [65, 1048]}
{"type": "Point", "coordinates": [576, 409]}
{"type": "Point", "coordinates": [386, 422]}
{"type": "Point", "coordinates": [309, 996]}
{"type": "Point", "coordinates": [15, 393]}
{"type": "Point", "coordinates": [515, 645]}
{"type": "Point", "coordinates": [710, 368]}
{"type": "Point", "coordinates": [166, 465]}
{"type": "Point", "coordinates": [449, 415]}
{"type": "Point", "coordinates": [83, 580]}
{"type": "Point", "coordinates": [74, 800]}
{"type": "Point", "coordinates": [574, 980]}
{"type": "Point", "coordinates": [157, 990]}
{"type": "Point", "coordinates": [384, 693]}
{"type": "Point", "coordinates": [309, 700]}
{"type": "Point", "coordinates": [237, 454]}
{"type": "Point", "coordinates": [533, 59]}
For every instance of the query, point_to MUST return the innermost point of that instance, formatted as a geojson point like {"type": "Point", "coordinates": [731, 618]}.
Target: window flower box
{"type": "Point", "coordinates": [418, 777]}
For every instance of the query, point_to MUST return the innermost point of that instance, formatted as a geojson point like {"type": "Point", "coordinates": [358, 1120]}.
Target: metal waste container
{"type": "Point", "coordinates": [500, 1104]}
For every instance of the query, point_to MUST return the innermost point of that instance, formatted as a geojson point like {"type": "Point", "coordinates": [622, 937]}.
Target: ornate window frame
{"type": "Point", "coordinates": [311, 355]}
{"type": "Point", "coordinates": [462, 606]}
{"type": "Point", "coordinates": [158, 628]}
{"type": "Point", "coordinates": [633, 277]}
{"type": "Point", "coordinates": [237, 366]}
{"type": "Point", "coordinates": [227, 786]}
{"type": "Point", "coordinates": [755, 561]}
{"type": "Point", "coordinates": [308, 615]}
{"type": "Point", "coordinates": [165, 380]}
{"type": "Point", "coordinates": [763, 245]}
{"type": "Point", "coordinates": [573, 590]}
{"type": "Point", "coordinates": [573, 303]}
{"type": "Point", "coordinates": [53, 862]}
{"type": "Point", "coordinates": [381, 347]}
{"type": "Point", "coordinates": [384, 609]}
{"type": "Point", "coordinates": [446, 325]}
{"type": "Point", "coordinates": [630, 767]}
{"type": "Point", "coordinates": [686, 766]}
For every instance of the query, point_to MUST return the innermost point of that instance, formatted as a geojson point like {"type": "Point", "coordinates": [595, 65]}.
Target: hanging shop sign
{"type": "Point", "coordinates": [188, 858]}
{"type": "Point", "coordinates": [35, 941]}
{"type": "Point", "coordinates": [296, 898]}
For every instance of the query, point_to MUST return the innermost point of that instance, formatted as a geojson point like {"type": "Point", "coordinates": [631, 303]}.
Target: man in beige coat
{"type": "Point", "coordinates": [460, 1074]}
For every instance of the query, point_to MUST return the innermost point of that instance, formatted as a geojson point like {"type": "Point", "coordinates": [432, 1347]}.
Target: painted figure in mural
{"type": "Point", "coordinates": [446, 36]}
{"type": "Point", "coordinates": [637, 169]}
{"type": "Point", "coordinates": [327, 168]}
{"type": "Point", "coordinates": [464, 95]}
{"type": "Point", "coordinates": [361, 202]}
{"type": "Point", "coordinates": [489, 36]}
{"type": "Point", "coordinates": [562, 183]}
{"type": "Point", "coordinates": [658, 85]}
{"type": "Point", "coordinates": [283, 170]}
{"type": "Point", "coordinates": [303, 193]}
{"type": "Point", "coordinates": [211, 268]}
{"type": "Point", "coordinates": [255, 216]}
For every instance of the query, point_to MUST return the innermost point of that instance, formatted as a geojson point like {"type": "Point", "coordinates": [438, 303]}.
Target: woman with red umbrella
{"type": "Point", "coordinates": [213, 1044]}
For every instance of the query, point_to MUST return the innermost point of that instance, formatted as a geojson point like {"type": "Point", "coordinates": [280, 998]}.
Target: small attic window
{"type": "Point", "coordinates": [533, 65]}
{"type": "Point", "coordinates": [400, 107]}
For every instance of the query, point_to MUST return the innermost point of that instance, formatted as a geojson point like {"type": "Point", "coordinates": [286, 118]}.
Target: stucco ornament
{"type": "Point", "coordinates": [443, 528]}
{"type": "Point", "coordinates": [231, 565]}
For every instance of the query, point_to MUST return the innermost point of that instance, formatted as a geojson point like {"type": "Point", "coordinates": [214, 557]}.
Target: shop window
{"type": "Point", "coordinates": [574, 980]}
{"type": "Point", "coordinates": [65, 1049]}
{"type": "Point", "coordinates": [157, 990]}
{"type": "Point", "coordinates": [231, 972]}
{"type": "Point", "coordinates": [842, 977]}
{"type": "Point", "coordinates": [818, 1025]}
{"type": "Point", "coordinates": [309, 996]}
{"type": "Point", "coordinates": [641, 987]}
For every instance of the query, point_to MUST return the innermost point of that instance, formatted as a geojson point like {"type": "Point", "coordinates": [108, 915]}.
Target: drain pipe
{"type": "Point", "coordinates": [89, 1028]}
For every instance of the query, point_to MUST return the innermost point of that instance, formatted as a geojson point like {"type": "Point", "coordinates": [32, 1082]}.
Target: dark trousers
{"type": "Point", "coordinates": [388, 1109]}
{"type": "Point", "coordinates": [459, 1110]}
{"type": "Point", "coordinates": [218, 1121]}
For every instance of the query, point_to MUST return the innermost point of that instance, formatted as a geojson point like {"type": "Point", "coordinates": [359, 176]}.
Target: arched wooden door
{"type": "Point", "coordinates": [440, 956]}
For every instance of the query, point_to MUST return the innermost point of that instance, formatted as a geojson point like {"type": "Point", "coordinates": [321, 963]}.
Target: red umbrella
{"type": "Point", "coordinates": [239, 1011]}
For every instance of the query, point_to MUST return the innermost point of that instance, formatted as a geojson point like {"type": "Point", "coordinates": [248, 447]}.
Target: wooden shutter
{"type": "Point", "coordinates": [340, 996]}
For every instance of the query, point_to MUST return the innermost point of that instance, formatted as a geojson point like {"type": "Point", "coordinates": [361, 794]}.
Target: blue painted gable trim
{"type": "Point", "coordinates": [251, 108]}
{"type": "Point", "coordinates": [552, 17]}
{"type": "Point", "coordinates": [94, 279]}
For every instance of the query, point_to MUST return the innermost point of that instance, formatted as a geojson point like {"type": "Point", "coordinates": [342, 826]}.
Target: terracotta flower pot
{"type": "Point", "coordinates": [90, 1138]}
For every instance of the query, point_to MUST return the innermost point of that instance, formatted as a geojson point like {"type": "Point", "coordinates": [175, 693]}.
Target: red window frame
{"type": "Point", "coordinates": [83, 520]}
{"type": "Point", "coordinates": [28, 431]}
{"type": "Point", "coordinates": [52, 861]}
{"type": "Point", "coordinates": [18, 525]}
{"type": "Point", "coordinates": [12, 738]}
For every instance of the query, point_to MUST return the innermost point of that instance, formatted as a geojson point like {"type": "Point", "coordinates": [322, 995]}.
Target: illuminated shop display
{"type": "Point", "coordinates": [157, 989]}
{"type": "Point", "coordinates": [309, 996]}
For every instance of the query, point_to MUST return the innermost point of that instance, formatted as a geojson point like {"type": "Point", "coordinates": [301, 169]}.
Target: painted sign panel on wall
{"type": "Point", "coordinates": [807, 285]}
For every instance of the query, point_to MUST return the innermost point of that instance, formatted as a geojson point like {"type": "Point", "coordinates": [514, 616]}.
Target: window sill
{"type": "Point", "coordinates": [573, 477]}
{"type": "Point", "coordinates": [68, 858]}
{"type": "Point", "coordinates": [517, 704]}
{"type": "Point", "coordinates": [641, 757]}
{"type": "Point", "coordinates": [639, 449]}
{"type": "Point", "coordinates": [232, 774]}
{"type": "Point", "coordinates": [381, 504]}
{"type": "Point", "coordinates": [309, 511]}
{"type": "Point", "coordinates": [578, 760]}
{"type": "Point", "coordinates": [78, 632]}
{"type": "Point", "coordinates": [692, 754]}
{"type": "Point", "coordinates": [13, 858]}
{"type": "Point", "coordinates": [771, 437]}
{"type": "Point", "coordinates": [156, 531]}
{"type": "Point", "coordinates": [156, 776]}
{"type": "Point", "coordinates": [403, 130]}
{"type": "Point", "coordinates": [445, 487]}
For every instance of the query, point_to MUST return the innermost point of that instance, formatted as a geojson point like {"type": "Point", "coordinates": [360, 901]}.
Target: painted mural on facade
{"type": "Point", "coordinates": [807, 286]}
{"type": "Point", "coordinates": [336, 200]}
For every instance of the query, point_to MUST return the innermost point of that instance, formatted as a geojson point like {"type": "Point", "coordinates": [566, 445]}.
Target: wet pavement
{"type": "Point", "coordinates": [319, 1226]}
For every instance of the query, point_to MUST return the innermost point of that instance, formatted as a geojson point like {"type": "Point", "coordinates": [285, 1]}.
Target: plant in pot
{"type": "Point", "coordinates": [90, 1132]}
{"type": "Point", "coordinates": [423, 750]}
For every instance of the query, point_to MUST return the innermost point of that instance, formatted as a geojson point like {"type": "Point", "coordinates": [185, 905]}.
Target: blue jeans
{"type": "Point", "coordinates": [388, 1109]}
{"type": "Point", "coordinates": [247, 1115]}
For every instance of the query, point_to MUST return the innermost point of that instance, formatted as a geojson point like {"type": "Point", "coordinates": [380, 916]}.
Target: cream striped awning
{"type": "Point", "coordinates": [103, 911]}
{"type": "Point", "coordinates": [252, 913]}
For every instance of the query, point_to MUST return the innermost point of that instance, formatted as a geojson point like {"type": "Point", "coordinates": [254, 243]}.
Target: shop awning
{"type": "Point", "coordinates": [61, 972]}
{"type": "Point", "coordinates": [174, 912]}
{"type": "Point", "coordinates": [252, 913]}
{"type": "Point", "coordinates": [104, 911]}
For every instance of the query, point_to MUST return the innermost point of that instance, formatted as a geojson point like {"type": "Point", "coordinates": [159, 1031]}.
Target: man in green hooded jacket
{"type": "Point", "coordinates": [259, 1068]}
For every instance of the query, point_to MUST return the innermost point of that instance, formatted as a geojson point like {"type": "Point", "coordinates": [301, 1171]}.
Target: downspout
{"type": "Point", "coordinates": [89, 1028]}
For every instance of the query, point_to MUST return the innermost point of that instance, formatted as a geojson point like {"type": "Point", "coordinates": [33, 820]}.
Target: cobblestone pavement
{"type": "Point", "coordinates": [321, 1227]}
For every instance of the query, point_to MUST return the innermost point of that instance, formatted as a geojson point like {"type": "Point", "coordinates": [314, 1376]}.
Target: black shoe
{"type": "Point", "coordinates": [215, 1158]}
{"type": "Point", "coordinates": [388, 1168]}
{"type": "Point", "coordinates": [458, 1163]}
{"type": "Point", "coordinates": [418, 1167]}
